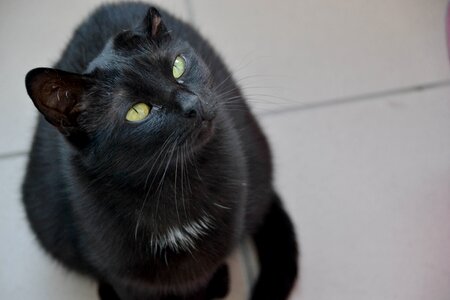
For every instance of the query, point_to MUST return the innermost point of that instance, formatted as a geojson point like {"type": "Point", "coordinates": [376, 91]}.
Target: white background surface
{"type": "Point", "coordinates": [355, 98]}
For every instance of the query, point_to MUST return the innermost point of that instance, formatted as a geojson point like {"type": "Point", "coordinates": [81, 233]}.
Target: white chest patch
{"type": "Point", "coordinates": [183, 237]}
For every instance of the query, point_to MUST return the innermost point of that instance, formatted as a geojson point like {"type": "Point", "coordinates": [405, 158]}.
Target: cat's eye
{"type": "Point", "coordinates": [179, 66]}
{"type": "Point", "coordinates": [138, 112]}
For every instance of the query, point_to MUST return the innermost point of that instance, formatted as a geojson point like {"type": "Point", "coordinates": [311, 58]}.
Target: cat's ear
{"type": "Point", "coordinates": [58, 96]}
{"type": "Point", "coordinates": [154, 26]}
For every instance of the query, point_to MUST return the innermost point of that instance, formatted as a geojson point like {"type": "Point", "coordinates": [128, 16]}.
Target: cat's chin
{"type": "Point", "coordinates": [206, 131]}
{"type": "Point", "coordinates": [201, 135]}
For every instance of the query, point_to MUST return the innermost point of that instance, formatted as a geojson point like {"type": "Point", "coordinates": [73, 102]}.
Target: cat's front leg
{"type": "Point", "coordinates": [107, 292]}
{"type": "Point", "coordinates": [277, 250]}
{"type": "Point", "coordinates": [217, 288]}
{"type": "Point", "coordinates": [219, 285]}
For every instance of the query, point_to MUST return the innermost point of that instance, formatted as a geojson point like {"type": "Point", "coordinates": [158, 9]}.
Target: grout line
{"type": "Point", "coordinates": [357, 98]}
{"type": "Point", "coordinates": [13, 154]}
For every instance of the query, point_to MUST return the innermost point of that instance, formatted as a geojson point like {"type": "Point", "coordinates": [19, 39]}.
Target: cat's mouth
{"type": "Point", "coordinates": [200, 134]}
{"type": "Point", "coordinates": [206, 130]}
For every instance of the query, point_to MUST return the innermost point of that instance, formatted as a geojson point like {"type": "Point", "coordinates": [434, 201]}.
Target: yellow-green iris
{"type": "Point", "coordinates": [138, 112]}
{"type": "Point", "coordinates": [179, 66]}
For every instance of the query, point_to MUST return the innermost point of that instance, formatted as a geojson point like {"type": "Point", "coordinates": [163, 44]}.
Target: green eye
{"type": "Point", "coordinates": [179, 66]}
{"type": "Point", "coordinates": [138, 112]}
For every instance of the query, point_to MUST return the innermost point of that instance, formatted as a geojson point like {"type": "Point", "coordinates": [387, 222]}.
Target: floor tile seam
{"type": "Point", "coordinates": [358, 98]}
{"type": "Point", "coordinates": [12, 155]}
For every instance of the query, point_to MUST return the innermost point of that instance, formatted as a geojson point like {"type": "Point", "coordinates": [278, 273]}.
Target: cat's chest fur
{"type": "Point", "coordinates": [187, 221]}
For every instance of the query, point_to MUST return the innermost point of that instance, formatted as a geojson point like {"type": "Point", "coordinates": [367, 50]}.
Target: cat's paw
{"type": "Point", "coordinates": [106, 292]}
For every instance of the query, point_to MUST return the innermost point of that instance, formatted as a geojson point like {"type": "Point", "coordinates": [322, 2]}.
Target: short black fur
{"type": "Point", "coordinates": [151, 209]}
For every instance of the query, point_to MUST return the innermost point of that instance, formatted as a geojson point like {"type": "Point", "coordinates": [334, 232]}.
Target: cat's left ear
{"type": "Point", "coordinates": [154, 26]}
{"type": "Point", "coordinates": [58, 95]}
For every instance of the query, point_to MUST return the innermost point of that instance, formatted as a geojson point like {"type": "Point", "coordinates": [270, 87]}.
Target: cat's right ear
{"type": "Point", "coordinates": [154, 27]}
{"type": "Point", "coordinates": [58, 95]}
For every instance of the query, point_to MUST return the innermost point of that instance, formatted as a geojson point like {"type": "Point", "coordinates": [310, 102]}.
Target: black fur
{"type": "Point", "coordinates": [276, 229]}
{"type": "Point", "coordinates": [101, 193]}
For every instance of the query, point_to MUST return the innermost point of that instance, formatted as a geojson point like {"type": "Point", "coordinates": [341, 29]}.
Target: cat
{"type": "Point", "coordinates": [147, 166]}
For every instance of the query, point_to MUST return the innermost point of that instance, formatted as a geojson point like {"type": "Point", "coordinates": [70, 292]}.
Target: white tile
{"type": "Point", "coordinates": [33, 34]}
{"type": "Point", "coordinates": [368, 187]}
{"type": "Point", "coordinates": [310, 50]}
{"type": "Point", "coordinates": [26, 272]}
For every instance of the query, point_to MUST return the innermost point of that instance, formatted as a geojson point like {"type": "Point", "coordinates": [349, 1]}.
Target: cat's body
{"type": "Point", "coordinates": [152, 221]}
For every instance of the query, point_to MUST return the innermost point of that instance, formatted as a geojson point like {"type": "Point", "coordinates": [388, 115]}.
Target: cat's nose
{"type": "Point", "coordinates": [192, 107]}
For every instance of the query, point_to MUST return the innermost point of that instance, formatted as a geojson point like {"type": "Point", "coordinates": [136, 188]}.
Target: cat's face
{"type": "Point", "coordinates": [147, 93]}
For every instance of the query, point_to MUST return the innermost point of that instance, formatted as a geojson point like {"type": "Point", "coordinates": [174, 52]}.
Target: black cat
{"type": "Point", "coordinates": [149, 168]}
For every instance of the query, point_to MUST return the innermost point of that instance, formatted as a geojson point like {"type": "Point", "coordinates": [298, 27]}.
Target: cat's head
{"type": "Point", "coordinates": [146, 92]}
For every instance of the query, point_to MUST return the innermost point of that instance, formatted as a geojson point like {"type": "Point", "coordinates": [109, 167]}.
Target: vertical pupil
{"type": "Point", "coordinates": [138, 112]}
{"type": "Point", "coordinates": [178, 67]}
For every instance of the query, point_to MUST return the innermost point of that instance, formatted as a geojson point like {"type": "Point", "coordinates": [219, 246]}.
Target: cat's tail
{"type": "Point", "coordinates": [278, 255]}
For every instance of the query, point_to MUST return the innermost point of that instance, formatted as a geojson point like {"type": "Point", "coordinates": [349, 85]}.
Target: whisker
{"type": "Point", "coordinates": [165, 145]}
{"type": "Point", "coordinates": [175, 188]}
{"type": "Point", "coordinates": [221, 206]}
{"type": "Point", "coordinates": [182, 182]}
{"type": "Point", "coordinates": [160, 185]}
{"type": "Point", "coordinates": [166, 142]}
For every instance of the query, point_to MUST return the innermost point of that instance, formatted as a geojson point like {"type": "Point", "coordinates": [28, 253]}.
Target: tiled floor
{"type": "Point", "coordinates": [355, 98]}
